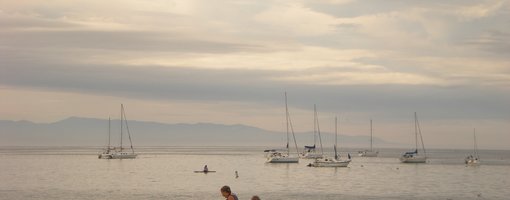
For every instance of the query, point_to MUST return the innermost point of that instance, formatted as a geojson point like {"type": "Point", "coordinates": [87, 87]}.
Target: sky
{"type": "Point", "coordinates": [230, 62]}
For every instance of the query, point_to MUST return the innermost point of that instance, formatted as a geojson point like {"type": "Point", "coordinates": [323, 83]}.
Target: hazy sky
{"type": "Point", "coordinates": [230, 61]}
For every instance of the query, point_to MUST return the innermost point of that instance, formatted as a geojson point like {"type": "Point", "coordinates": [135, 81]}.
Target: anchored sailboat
{"type": "Point", "coordinates": [371, 152]}
{"type": "Point", "coordinates": [332, 162]}
{"type": "Point", "coordinates": [473, 159]}
{"type": "Point", "coordinates": [107, 150]}
{"type": "Point", "coordinates": [118, 152]}
{"type": "Point", "coordinates": [414, 156]}
{"type": "Point", "coordinates": [310, 152]}
{"type": "Point", "coordinates": [276, 156]}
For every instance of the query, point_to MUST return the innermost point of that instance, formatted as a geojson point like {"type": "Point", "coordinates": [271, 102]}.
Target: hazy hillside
{"type": "Point", "coordinates": [76, 131]}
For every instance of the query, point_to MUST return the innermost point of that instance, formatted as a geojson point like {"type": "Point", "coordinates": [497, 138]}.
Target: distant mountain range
{"type": "Point", "coordinates": [78, 131]}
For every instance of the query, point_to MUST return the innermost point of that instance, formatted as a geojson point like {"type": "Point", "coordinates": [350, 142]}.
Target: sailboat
{"type": "Point", "coordinates": [415, 156]}
{"type": "Point", "coordinates": [371, 152]}
{"type": "Point", "coordinates": [118, 152]}
{"type": "Point", "coordinates": [310, 152]}
{"type": "Point", "coordinates": [278, 156]}
{"type": "Point", "coordinates": [473, 159]}
{"type": "Point", "coordinates": [107, 150]}
{"type": "Point", "coordinates": [332, 162]}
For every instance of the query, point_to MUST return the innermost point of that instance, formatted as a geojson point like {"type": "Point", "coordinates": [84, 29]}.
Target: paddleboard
{"type": "Point", "coordinates": [205, 172]}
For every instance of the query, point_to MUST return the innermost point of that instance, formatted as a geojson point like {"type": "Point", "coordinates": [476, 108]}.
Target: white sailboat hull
{"type": "Point", "coordinates": [414, 159]}
{"type": "Point", "coordinates": [472, 161]}
{"type": "Point", "coordinates": [117, 155]}
{"type": "Point", "coordinates": [123, 155]}
{"type": "Point", "coordinates": [369, 154]}
{"type": "Point", "coordinates": [282, 159]}
{"type": "Point", "coordinates": [311, 155]}
{"type": "Point", "coordinates": [328, 162]}
{"type": "Point", "coordinates": [105, 156]}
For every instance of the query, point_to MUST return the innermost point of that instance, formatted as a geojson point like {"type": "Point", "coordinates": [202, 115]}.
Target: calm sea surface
{"type": "Point", "coordinates": [167, 173]}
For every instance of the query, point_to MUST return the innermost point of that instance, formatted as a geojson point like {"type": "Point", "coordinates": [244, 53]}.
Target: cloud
{"type": "Point", "coordinates": [299, 58]}
{"type": "Point", "coordinates": [117, 41]}
{"type": "Point", "coordinates": [364, 78]}
{"type": "Point", "coordinates": [333, 2]}
{"type": "Point", "coordinates": [480, 10]}
{"type": "Point", "coordinates": [406, 44]}
{"type": "Point", "coordinates": [297, 20]}
{"type": "Point", "coordinates": [495, 41]}
{"type": "Point", "coordinates": [260, 86]}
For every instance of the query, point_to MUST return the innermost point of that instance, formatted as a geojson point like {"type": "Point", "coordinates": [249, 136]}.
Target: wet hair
{"type": "Point", "coordinates": [226, 189]}
{"type": "Point", "coordinates": [255, 197]}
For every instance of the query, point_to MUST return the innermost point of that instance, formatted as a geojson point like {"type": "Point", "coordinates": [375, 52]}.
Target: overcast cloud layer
{"type": "Point", "coordinates": [231, 61]}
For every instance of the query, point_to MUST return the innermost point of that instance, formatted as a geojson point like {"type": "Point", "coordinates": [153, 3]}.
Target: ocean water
{"type": "Point", "coordinates": [167, 173]}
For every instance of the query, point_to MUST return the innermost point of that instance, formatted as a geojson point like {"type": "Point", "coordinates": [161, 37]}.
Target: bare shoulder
{"type": "Point", "coordinates": [230, 198]}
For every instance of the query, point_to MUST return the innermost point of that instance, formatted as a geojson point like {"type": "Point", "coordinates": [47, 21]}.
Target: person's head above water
{"type": "Point", "coordinates": [255, 197]}
{"type": "Point", "coordinates": [225, 191]}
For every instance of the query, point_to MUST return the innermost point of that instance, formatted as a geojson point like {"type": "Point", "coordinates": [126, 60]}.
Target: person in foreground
{"type": "Point", "coordinates": [225, 191]}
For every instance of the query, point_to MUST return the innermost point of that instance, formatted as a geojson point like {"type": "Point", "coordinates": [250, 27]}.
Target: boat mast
{"type": "Point", "coordinates": [421, 136]}
{"type": "Point", "coordinates": [287, 120]}
{"type": "Point", "coordinates": [370, 135]}
{"type": "Point", "coordinates": [474, 143]}
{"type": "Point", "coordinates": [416, 130]}
{"type": "Point", "coordinates": [293, 135]}
{"type": "Point", "coordinates": [318, 128]}
{"type": "Point", "coordinates": [127, 128]}
{"type": "Point", "coordinates": [121, 127]}
{"type": "Point", "coordinates": [336, 137]}
{"type": "Point", "coordinates": [314, 127]}
{"type": "Point", "coordinates": [109, 125]}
